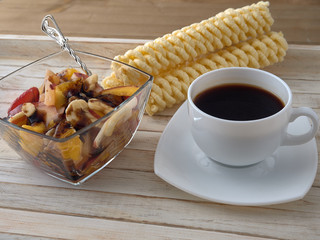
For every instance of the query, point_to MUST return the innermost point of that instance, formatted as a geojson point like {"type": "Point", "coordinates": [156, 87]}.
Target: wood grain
{"type": "Point", "coordinates": [141, 19]}
{"type": "Point", "coordinates": [45, 225]}
{"type": "Point", "coordinates": [126, 200]}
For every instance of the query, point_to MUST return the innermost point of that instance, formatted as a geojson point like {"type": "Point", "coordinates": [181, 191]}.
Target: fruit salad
{"type": "Point", "coordinates": [66, 103]}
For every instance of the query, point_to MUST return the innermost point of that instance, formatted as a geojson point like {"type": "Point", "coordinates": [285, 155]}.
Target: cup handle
{"type": "Point", "coordinates": [290, 139]}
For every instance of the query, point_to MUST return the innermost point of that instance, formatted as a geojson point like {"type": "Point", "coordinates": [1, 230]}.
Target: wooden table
{"type": "Point", "coordinates": [127, 200]}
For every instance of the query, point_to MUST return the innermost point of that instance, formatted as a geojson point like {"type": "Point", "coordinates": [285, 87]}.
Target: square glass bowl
{"type": "Point", "coordinates": [76, 158]}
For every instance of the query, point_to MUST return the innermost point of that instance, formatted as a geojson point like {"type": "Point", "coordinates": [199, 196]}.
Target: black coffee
{"type": "Point", "coordinates": [238, 102]}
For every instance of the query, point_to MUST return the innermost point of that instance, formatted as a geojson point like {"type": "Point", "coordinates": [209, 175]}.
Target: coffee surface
{"type": "Point", "coordinates": [239, 102]}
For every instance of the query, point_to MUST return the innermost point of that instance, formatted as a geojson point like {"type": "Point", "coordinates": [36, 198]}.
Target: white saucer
{"type": "Point", "coordinates": [286, 176]}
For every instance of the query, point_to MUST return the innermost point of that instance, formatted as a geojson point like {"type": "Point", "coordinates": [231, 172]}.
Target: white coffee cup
{"type": "Point", "coordinates": [242, 143]}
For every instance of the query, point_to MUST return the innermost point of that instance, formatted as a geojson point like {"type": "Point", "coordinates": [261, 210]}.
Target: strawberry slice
{"type": "Point", "coordinates": [31, 95]}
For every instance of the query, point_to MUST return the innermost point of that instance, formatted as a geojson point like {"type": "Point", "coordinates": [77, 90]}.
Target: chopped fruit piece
{"type": "Point", "coordinates": [52, 77]}
{"type": "Point", "coordinates": [70, 72]}
{"type": "Point", "coordinates": [31, 95]}
{"type": "Point", "coordinates": [41, 97]}
{"type": "Point", "coordinates": [41, 89]}
{"type": "Point", "coordinates": [98, 107]}
{"type": "Point", "coordinates": [50, 96]}
{"type": "Point", "coordinates": [111, 100]}
{"type": "Point", "coordinates": [91, 86]}
{"type": "Point", "coordinates": [31, 143]}
{"type": "Point", "coordinates": [28, 109]}
{"type": "Point", "coordinates": [120, 91]}
{"type": "Point", "coordinates": [78, 115]}
{"type": "Point", "coordinates": [15, 111]}
{"type": "Point", "coordinates": [72, 148]}
{"type": "Point", "coordinates": [67, 73]}
{"type": "Point", "coordinates": [61, 100]}
{"type": "Point", "coordinates": [78, 76]}
{"type": "Point", "coordinates": [89, 83]}
{"type": "Point", "coordinates": [70, 88]}
{"type": "Point", "coordinates": [36, 127]}
{"type": "Point", "coordinates": [97, 115]}
{"type": "Point", "coordinates": [19, 119]}
{"type": "Point", "coordinates": [51, 124]}
{"type": "Point", "coordinates": [47, 113]}
{"type": "Point", "coordinates": [118, 117]}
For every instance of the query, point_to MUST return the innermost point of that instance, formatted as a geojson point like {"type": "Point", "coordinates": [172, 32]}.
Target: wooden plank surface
{"type": "Point", "coordinates": [127, 200]}
{"type": "Point", "coordinates": [149, 19]}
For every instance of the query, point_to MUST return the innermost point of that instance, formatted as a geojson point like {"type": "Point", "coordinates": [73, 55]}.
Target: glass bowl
{"type": "Point", "coordinates": [75, 158]}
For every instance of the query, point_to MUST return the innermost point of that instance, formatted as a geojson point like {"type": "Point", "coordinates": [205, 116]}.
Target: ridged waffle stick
{"type": "Point", "coordinates": [171, 88]}
{"type": "Point", "coordinates": [225, 29]}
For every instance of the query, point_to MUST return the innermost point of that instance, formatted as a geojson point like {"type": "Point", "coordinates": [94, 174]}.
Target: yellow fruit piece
{"type": "Point", "coordinates": [51, 124]}
{"type": "Point", "coordinates": [72, 148]}
{"type": "Point", "coordinates": [36, 127]}
{"type": "Point", "coordinates": [32, 143]}
{"type": "Point", "coordinates": [120, 91]}
{"type": "Point", "coordinates": [41, 88]}
{"type": "Point", "coordinates": [60, 99]}
{"type": "Point", "coordinates": [74, 86]}
{"type": "Point", "coordinates": [69, 73]}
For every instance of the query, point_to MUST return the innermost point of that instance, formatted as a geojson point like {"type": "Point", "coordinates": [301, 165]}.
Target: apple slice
{"type": "Point", "coordinates": [50, 96]}
{"type": "Point", "coordinates": [52, 77]}
{"type": "Point", "coordinates": [48, 114]}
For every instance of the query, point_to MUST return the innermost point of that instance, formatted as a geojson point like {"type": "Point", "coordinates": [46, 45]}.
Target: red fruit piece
{"type": "Point", "coordinates": [31, 95]}
{"type": "Point", "coordinates": [77, 75]}
{"type": "Point", "coordinates": [15, 111]}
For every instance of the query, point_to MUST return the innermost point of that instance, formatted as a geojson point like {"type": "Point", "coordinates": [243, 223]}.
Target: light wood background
{"type": "Point", "coordinates": [147, 19]}
{"type": "Point", "coordinates": [126, 200]}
